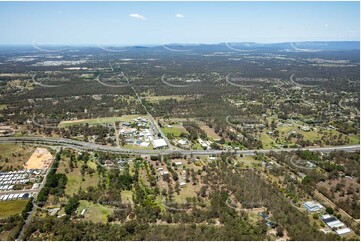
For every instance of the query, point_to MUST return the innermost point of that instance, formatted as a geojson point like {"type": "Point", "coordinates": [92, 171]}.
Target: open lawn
{"type": "Point", "coordinates": [285, 130]}
{"type": "Point", "coordinates": [197, 146]}
{"type": "Point", "coordinates": [9, 208]}
{"type": "Point", "coordinates": [266, 141]}
{"type": "Point", "coordinates": [188, 191]}
{"type": "Point", "coordinates": [176, 130]}
{"type": "Point", "coordinates": [127, 196]}
{"type": "Point", "coordinates": [354, 140]}
{"type": "Point", "coordinates": [248, 161]}
{"type": "Point", "coordinates": [309, 135]}
{"type": "Point", "coordinates": [3, 106]}
{"type": "Point", "coordinates": [94, 212]}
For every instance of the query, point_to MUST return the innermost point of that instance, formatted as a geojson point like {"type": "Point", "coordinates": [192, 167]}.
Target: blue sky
{"type": "Point", "coordinates": [130, 23]}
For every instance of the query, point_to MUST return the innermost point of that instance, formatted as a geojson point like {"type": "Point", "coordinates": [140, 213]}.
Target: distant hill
{"type": "Point", "coordinates": [286, 46]}
{"type": "Point", "coordinates": [305, 46]}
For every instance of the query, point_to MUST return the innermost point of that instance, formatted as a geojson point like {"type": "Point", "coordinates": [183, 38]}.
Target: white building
{"type": "Point", "coordinates": [312, 206]}
{"type": "Point", "coordinates": [182, 141]}
{"type": "Point", "coordinates": [332, 222]}
{"type": "Point", "coordinates": [343, 231]}
{"type": "Point", "coordinates": [162, 173]}
{"type": "Point", "coordinates": [144, 144]}
{"type": "Point", "coordinates": [159, 143]}
{"type": "Point", "coordinates": [306, 128]}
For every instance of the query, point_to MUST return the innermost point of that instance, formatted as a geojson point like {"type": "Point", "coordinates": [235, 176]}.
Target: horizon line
{"type": "Point", "coordinates": [174, 43]}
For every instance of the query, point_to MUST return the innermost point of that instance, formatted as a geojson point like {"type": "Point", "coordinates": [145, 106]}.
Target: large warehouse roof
{"type": "Point", "coordinates": [159, 143]}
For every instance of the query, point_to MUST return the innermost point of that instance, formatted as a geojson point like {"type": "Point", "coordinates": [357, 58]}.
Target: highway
{"type": "Point", "coordinates": [86, 146]}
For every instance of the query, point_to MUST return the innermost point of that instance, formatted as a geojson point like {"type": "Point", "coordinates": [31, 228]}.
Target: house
{"type": "Point", "coordinates": [204, 144]}
{"type": "Point", "coordinates": [182, 184]}
{"type": "Point", "coordinates": [182, 141]}
{"type": "Point", "coordinates": [163, 173]}
{"type": "Point", "coordinates": [312, 206]}
{"type": "Point", "coordinates": [53, 211]}
{"type": "Point", "coordinates": [159, 143]}
{"type": "Point", "coordinates": [305, 128]}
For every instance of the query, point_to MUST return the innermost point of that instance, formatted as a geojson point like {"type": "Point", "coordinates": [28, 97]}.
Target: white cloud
{"type": "Point", "coordinates": [178, 15]}
{"type": "Point", "coordinates": [137, 15]}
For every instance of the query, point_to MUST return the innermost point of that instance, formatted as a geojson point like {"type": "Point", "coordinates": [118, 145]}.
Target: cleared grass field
{"type": "Point", "coordinates": [310, 135]}
{"type": "Point", "coordinates": [3, 106]}
{"type": "Point", "coordinates": [15, 155]}
{"type": "Point", "coordinates": [9, 208]}
{"type": "Point", "coordinates": [131, 146]}
{"type": "Point", "coordinates": [188, 191]}
{"type": "Point", "coordinates": [75, 180]}
{"type": "Point", "coordinates": [95, 121]}
{"type": "Point", "coordinates": [176, 130]}
{"type": "Point", "coordinates": [248, 161]}
{"type": "Point", "coordinates": [354, 140]}
{"type": "Point", "coordinates": [127, 196]}
{"type": "Point", "coordinates": [209, 131]}
{"type": "Point", "coordinates": [94, 212]}
{"type": "Point", "coordinates": [197, 146]}
{"type": "Point", "coordinates": [161, 98]}
{"type": "Point", "coordinates": [266, 141]}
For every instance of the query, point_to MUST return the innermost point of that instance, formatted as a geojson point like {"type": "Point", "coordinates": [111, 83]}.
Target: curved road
{"type": "Point", "coordinates": [86, 146]}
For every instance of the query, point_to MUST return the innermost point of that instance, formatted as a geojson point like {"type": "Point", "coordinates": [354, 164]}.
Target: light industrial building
{"type": "Point", "coordinates": [159, 143]}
